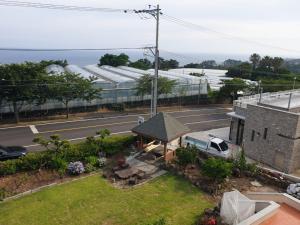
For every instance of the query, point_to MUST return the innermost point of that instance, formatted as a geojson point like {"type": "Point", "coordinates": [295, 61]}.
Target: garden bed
{"type": "Point", "coordinates": [13, 185]}
{"type": "Point", "coordinates": [243, 183]}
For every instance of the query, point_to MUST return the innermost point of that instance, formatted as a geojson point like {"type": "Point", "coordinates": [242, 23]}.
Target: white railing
{"type": "Point", "coordinates": [265, 97]}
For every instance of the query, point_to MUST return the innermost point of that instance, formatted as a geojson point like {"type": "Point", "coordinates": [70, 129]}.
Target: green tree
{"type": "Point", "coordinates": [232, 87]}
{"type": "Point", "coordinates": [71, 86]}
{"type": "Point", "coordinates": [244, 70]}
{"type": "Point", "coordinates": [255, 60]}
{"type": "Point", "coordinates": [53, 144]}
{"type": "Point", "coordinates": [208, 64]}
{"type": "Point", "coordinates": [164, 64]}
{"type": "Point", "coordinates": [231, 63]}
{"type": "Point", "coordinates": [143, 64]}
{"type": "Point", "coordinates": [23, 83]}
{"type": "Point", "coordinates": [103, 133]}
{"type": "Point", "coordinates": [217, 169]}
{"type": "Point", "coordinates": [192, 65]}
{"type": "Point", "coordinates": [164, 85]}
{"type": "Point", "coordinates": [266, 63]}
{"type": "Point", "coordinates": [45, 63]}
{"type": "Point", "coordinates": [277, 63]}
{"type": "Point", "coordinates": [114, 60]}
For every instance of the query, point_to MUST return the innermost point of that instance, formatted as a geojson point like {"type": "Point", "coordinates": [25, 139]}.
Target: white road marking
{"type": "Point", "coordinates": [206, 114]}
{"type": "Point", "coordinates": [207, 121]}
{"type": "Point", "coordinates": [33, 129]}
{"type": "Point", "coordinates": [117, 123]}
{"type": "Point", "coordinates": [128, 131]}
{"type": "Point", "coordinates": [115, 117]}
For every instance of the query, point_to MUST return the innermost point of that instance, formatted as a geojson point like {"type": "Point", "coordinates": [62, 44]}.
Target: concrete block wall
{"type": "Point", "coordinates": [295, 163]}
{"type": "Point", "coordinates": [278, 149]}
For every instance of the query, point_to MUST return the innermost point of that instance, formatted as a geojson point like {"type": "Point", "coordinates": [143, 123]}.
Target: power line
{"type": "Point", "coordinates": [60, 7]}
{"type": "Point", "coordinates": [69, 49]}
{"type": "Point", "coordinates": [198, 27]}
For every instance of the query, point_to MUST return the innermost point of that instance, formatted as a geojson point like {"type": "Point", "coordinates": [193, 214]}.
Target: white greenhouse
{"type": "Point", "coordinates": [99, 82]}
{"type": "Point", "coordinates": [54, 69]}
{"type": "Point", "coordinates": [118, 80]}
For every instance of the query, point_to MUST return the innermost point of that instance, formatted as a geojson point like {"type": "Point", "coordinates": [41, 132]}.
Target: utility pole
{"type": "Point", "coordinates": [294, 82]}
{"type": "Point", "coordinates": [156, 62]}
{"type": "Point", "coordinates": [154, 12]}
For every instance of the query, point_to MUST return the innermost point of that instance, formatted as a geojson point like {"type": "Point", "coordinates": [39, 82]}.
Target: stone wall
{"type": "Point", "coordinates": [277, 149]}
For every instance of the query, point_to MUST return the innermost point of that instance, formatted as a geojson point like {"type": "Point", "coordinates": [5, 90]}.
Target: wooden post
{"type": "Point", "coordinates": [141, 144]}
{"type": "Point", "coordinates": [165, 151]}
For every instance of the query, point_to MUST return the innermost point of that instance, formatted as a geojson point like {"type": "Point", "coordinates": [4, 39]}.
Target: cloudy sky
{"type": "Point", "coordinates": [272, 22]}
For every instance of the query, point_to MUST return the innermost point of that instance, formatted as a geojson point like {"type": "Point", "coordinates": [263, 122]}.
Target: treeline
{"type": "Point", "coordinates": [144, 64]}
{"type": "Point", "coordinates": [271, 72]}
{"type": "Point", "coordinates": [29, 83]}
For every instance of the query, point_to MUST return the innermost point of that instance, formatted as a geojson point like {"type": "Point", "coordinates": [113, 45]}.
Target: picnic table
{"type": "Point", "coordinates": [127, 173]}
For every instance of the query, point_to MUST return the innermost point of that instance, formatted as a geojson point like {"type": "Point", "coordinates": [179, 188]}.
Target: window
{"type": "Point", "coordinates": [214, 145]}
{"type": "Point", "coordinates": [252, 135]}
{"type": "Point", "coordinates": [265, 133]}
{"type": "Point", "coordinates": [224, 146]}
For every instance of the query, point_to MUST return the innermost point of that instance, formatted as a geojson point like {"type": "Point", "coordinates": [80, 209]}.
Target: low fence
{"type": "Point", "coordinates": [181, 95]}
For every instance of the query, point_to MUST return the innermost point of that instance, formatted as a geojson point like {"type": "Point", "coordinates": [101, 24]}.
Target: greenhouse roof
{"type": "Point", "coordinates": [55, 69]}
{"type": "Point", "coordinates": [110, 76]}
{"type": "Point", "coordinates": [123, 72]}
{"type": "Point", "coordinates": [84, 73]}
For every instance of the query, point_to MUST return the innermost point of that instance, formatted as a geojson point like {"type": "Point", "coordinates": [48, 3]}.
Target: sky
{"type": "Point", "coordinates": [271, 22]}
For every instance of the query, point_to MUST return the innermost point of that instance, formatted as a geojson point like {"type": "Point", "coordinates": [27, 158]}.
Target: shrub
{"type": "Point", "coordinates": [76, 168]}
{"type": "Point", "coordinates": [186, 155]}
{"type": "Point", "coordinates": [57, 156]}
{"type": "Point", "coordinates": [2, 193]}
{"type": "Point", "coordinates": [92, 160]}
{"type": "Point", "coordinates": [8, 167]}
{"type": "Point", "coordinates": [114, 144]}
{"type": "Point", "coordinates": [59, 164]}
{"type": "Point", "coordinates": [33, 161]}
{"type": "Point", "coordinates": [240, 162]}
{"type": "Point", "coordinates": [252, 168]}
{"type": "Point", "coordinates": [217, 169]}
{"type": "Point", "coordinates": [90, 168]}
{"type": "Point", "coordinates": [75, 153]}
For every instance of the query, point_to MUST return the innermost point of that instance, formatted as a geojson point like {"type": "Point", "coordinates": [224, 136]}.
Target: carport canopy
{"type": "Point", "coordinates": [161, 127]}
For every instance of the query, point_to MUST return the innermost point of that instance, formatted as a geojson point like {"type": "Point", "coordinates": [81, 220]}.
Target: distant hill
{"type": "Point", "coordinates": [293, 65]}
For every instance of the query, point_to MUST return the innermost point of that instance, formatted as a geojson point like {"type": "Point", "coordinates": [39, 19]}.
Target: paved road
{"type": "Point", "coordinates": [196, 119]}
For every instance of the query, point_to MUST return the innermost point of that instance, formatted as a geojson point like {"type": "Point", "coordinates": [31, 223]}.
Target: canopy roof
{"type": "Point", "coordinates": [162, 127]}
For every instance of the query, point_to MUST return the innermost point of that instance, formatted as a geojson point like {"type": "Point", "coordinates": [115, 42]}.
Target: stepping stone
{"type": "Point", "coordinates": [256, 184]}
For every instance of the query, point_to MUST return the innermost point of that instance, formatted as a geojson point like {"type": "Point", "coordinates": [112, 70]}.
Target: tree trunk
{"type": "Point", "coordinates": [16, 112]}
{"type": "Point", "coordinates": [67, 108]}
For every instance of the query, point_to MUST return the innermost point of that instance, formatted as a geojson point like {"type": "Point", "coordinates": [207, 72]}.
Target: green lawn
{"type": "Point", "coordinates": [94, 201]}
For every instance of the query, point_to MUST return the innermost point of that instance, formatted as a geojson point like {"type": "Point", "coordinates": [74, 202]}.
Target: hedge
{"type": "Point", "coordinates": [113, 144]}
{"type": "Point", "coordinates": [76, 152]}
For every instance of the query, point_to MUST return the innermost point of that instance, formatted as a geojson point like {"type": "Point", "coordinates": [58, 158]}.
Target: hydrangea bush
{"type": "Point", "coordinates": [101, 161]}
{"type": "Point", "coordinates": [76, 168]}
